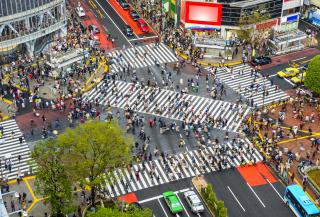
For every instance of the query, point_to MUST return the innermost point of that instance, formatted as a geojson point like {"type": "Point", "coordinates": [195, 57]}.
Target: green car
{"type": "Point", "coordinates": [172, 202]}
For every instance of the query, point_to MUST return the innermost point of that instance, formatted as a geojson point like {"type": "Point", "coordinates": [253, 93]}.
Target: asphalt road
{"type": "Point", "coordinates": [241, 200]}
{"type": "Point", "coordinates": [152, 199]}
{"type": "Point", "coordinates": [113, 23]}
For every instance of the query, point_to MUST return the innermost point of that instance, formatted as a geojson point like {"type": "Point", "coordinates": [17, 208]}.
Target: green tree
{"type": "Point", "coordinates": [248, 31]}
{"type": "Point", "coordinates": [312, 78]}
{"type": "Point", "coordinates": [111, 212]}
{"type": "Point", "coordinates": [51, 178]}
{"type": "Point", "coordinates": [92, 152]}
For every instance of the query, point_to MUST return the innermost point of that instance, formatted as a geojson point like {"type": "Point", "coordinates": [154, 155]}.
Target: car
{"type": "Point", "coordinates": [80, 11]}
{"type": "Point", "coordinates": [299, 78]}
{"type": "Point", "coordinates": [94, 28]}
{"type": "Point", "coordinates": [134, 15]}
{"type": "Point", "coordinates": [173, 202]}
{"type": "Point", "coordinates": [288, 72]}
{"type": "Point", "coordinates": [194, 201]}
{"type": "Point", "coordinates": [261, 60]}
{"type": "Point", "coordinates": [127, 30]}
{"type": "Point", "coordinates": [124, 5]}
{"type": "Point", "coordinates": [142, 25]}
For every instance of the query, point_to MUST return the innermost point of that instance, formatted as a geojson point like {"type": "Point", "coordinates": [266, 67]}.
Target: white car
{"type": "Point", "coordinates": [80, 11]}
{"type": "Point", "coordinates": [194, 201]}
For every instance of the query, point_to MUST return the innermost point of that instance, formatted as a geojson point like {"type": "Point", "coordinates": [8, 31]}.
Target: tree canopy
{"type": "Point", "coordinates": [313, 75]}
{"type": "Point", "coordinates": [248, 31]}
{"type": "Point", "coordinates": [93, 150]}
{"type": "Point", "coordinates": [111, 212]}
{"type": "Point", "coordinates": [51, 178]}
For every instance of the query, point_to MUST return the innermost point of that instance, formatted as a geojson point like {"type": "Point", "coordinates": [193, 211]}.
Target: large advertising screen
{"type": "Point", "coordinates": [203, 13]}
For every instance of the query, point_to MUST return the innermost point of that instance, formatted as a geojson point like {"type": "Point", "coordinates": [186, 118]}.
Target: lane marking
{"type": "Point", "coordinates": [144, 38]}
{"type": "Point", "coordinates": [273, 75]}
{"type": "Point", "coordinates": [264, 206]}
{"type": "Point", "coordinates": [160, 196]}
{"type": "Point", "coordinates": [299, 59]}
{"type": "Point", "coordinates": [236, 199]}
{"type": "Point", "coordinates": [289, 81]}
{"type": "Point", "coordinates": [113, 22]}
{"type": "Point", "coordinates": [122, 18]}
{"type": "Point", "coordinates": [183, 205]}
{"type": "Point", "coordinates": [275, 190]}
{"type": "Point", "coordinates": [162, 208]}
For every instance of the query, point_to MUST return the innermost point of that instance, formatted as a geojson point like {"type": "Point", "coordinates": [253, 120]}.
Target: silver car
{"type": "Point", "coordinates": [194, 201]}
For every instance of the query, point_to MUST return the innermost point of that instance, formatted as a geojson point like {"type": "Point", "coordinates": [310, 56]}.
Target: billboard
{"type": "Point", "coordinates": [205, 13]}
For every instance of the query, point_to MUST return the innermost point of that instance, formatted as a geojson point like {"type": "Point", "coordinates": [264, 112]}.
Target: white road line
{"type": "Point", "coordinates": [274, 75]}
{"type": "Point", "coordinates": [112, 21]}
{"type": "Point", "coordinates": [289, 81]}
{"type": "Point", "coordinates": [236, 199]}
{"type": "Point", "coordinates": [160, 196]}
{"type": "Point", "coordinates": [275, 190]}
{"type": "Point", "coordinates": [299, 59]}
{"type": "Point", "coordinates": [162, 208]}
{"type": "Point", "coordinates": [120, 17]}
{"type": "Point", "coordinates": [264, 206]}
{"type": "Point", "coordinates": [143, 38]}
{"type": "Point", "coordinates": [183, 205]}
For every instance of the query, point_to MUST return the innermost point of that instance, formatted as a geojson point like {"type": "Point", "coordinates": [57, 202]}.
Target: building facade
{"type": "Point", "coordinates": [28, 24]}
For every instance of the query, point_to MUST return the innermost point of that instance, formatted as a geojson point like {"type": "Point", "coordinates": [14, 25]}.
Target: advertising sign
{"type": "Point", "coordinates": [205, 13]}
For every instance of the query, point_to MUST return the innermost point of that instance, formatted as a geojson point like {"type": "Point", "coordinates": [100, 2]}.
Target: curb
{"type": "Point", "coordinates": [212, 214]}
{"type": "Point", "coordinates": [203, 63]}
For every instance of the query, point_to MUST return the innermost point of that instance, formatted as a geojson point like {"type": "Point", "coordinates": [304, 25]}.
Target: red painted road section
{"type": "Point", "coordinates": [92, 20]}
{"type": "Point", "coordinates": [256, 175]}
{"type": "Point", "coordinates": [125, 14]}
{"type": "Point", "coordinates": [292, 56]}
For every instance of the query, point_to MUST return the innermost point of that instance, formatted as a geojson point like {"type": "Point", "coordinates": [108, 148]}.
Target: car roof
{"type": "Point", "coordinates": [140, 20]}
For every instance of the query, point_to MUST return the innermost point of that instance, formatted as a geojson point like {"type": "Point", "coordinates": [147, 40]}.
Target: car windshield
{"type": "Point", "coordinates": [175, 204]}
{"type": "Point", "coordinates": [288, 71]}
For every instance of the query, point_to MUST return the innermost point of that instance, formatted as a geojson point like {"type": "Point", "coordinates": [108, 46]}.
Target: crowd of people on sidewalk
{"type": "Point", "coordinates": [296, 118]}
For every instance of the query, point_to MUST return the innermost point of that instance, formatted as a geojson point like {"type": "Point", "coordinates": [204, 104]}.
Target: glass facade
{"type": "Point", "coordinates": [232, 10]}
{"type": "Point", "coordinates": [9, 7]}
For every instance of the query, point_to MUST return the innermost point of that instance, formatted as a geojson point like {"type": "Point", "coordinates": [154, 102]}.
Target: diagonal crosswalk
{"type": "Point", "coordinates": [141, 56]}
{"type": "Point", "coordinates": [11, 149]}
{"type": "Point", "coordinates": [168, 104]}
{"type": "Point", "coordinates": [259, 90]}
{"type": "Point", "coordinates": [179, 166]}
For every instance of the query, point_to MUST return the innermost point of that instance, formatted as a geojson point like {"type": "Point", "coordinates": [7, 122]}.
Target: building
{"type": "Point", "coordinates": [27, 25]}
{"type": "Point", "coordinates": [219, 19]}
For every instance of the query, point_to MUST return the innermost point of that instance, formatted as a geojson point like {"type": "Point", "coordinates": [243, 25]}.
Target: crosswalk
{"type": "Point", "coordinates": [141, 56]}
{"type": "Point", "coordinates": [258, 90]}
{"type": "Point", "coordinates": [11, 149]}
{"type": "Point", "coordinates": [164, 103]}
{"type": "Point", "coordinates": [183, 165]}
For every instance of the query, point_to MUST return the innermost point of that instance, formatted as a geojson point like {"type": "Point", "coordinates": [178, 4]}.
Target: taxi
{"type": "Point", "coordinates": [288, 72]}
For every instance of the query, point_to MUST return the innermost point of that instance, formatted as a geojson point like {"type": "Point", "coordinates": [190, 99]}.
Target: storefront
{"type": "Point", "coordinates": [288, 42]}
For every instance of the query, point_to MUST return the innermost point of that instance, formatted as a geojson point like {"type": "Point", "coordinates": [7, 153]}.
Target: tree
{"type": "Point", "coordinates": [109, 212]}
{"type": "Point", "coordinates": [92, 152]}
{"type": "Point", "coordinates": [51, 178]}
{"type": "Point", "coordinates": [312, 78]}
{"type": "Point", "coordinates": [255, 37]}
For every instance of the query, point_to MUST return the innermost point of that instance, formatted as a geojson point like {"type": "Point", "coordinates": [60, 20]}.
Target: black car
{"type": "Point", "coordinates": [261, 60]}
{"type": "Point", "coordinates": [94, 28]}
{"type": "Point", "coordinates": [134, 15]}
{"type": "Point", "coordinates": [127, 30]}
{"type": "Point", "coordinates": [124, 5]}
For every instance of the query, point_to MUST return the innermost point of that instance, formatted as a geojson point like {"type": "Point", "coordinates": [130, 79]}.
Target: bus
{"type": "Point", "coordinates": [299, 202]}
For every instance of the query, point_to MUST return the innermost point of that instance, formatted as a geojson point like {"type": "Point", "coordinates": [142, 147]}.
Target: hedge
{"type": "Point", "coordinates": [214, 204]}
{"type": "Point", "coordinates": [313, 75]}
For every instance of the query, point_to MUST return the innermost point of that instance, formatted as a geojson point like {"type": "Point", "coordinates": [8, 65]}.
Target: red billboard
{"type": "Point", "coordinates": [203, 13]}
